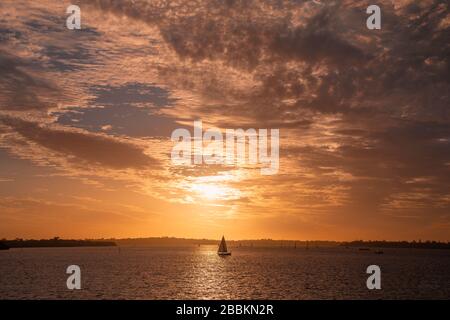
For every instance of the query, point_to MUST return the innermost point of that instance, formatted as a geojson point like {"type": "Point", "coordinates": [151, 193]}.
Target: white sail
{"type": "Point", "coordinates": [223, 245]}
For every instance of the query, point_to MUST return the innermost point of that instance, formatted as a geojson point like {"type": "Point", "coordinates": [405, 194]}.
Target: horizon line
{"type": "Point", "coordinates": [206, 239]}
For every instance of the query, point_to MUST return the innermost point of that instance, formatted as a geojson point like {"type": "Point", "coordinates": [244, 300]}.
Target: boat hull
{"type": "Point", "coordinates": [224, 253]}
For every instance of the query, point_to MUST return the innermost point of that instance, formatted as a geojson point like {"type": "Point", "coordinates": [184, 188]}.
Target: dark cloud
{"type": "Point", "coordinates": [405, 159]}
{"type": "Point", "coordinates": [340, 67]}
{"type": "Point", "coordinates": [92, 148]}
{"type": "Point", "coordinates": [244, 34]}
{"type": "Point", "coordinates": [21, 89]}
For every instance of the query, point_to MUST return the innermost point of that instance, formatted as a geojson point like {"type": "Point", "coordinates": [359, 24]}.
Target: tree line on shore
{"type": "Point", "coordinates": [54, 242]}
{"type": "Point", "coordinates": [172, 241]}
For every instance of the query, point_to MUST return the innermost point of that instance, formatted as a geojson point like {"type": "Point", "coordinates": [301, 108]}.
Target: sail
{"type": "Point", "coordinates": [223, 245]}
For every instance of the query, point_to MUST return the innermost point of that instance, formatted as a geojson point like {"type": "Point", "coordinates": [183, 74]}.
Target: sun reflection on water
{"type": "Point", "coordinates": [211, 274]}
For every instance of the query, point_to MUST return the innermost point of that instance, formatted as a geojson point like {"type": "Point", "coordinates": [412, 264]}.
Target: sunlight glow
{"type": "Point", "coordinates": [211, 191]}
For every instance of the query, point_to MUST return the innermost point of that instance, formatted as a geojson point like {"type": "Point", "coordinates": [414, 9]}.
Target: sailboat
{"type": "Point", "coordinates": [222, 251]}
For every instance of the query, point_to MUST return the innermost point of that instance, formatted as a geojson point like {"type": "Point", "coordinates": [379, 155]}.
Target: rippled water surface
{"type": "Point", "coordinates": [198, 273]}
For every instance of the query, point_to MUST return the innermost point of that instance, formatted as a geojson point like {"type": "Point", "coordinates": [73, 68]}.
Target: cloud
{"type": "Point", "coordinates": [23, 90]}
{"type": "Point", "coordinates": [96, 149]}
{"type": "Point", "coordinates": [262, 60]}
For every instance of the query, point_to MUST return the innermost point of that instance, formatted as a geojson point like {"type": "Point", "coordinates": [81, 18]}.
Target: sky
{"type": "Point", "coordinates": [86, 118]}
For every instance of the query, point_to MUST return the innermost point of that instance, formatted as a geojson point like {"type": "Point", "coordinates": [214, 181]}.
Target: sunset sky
{"type": "Point", "coordinates": [86, 118]}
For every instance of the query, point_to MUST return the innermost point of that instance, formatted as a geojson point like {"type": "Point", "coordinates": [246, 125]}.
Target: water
{"type": "Point", "coordinates": [198, 273]}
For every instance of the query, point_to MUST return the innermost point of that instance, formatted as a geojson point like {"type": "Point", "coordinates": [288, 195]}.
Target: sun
{"type": "Point", "coordinates": [211, 191]}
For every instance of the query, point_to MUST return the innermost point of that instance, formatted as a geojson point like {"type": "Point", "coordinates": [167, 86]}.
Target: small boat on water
{"type": "Point", "coordinates": [223, 251]}
{"type": "Point", "coordinates": [379, 252]}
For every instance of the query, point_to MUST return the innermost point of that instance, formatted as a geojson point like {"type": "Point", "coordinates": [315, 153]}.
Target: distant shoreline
{"type": "Point", "coordinates": [53, 243]}
{"type": "Point", "coordinates": [172, 242]}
